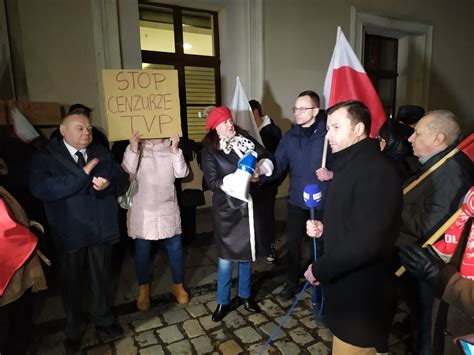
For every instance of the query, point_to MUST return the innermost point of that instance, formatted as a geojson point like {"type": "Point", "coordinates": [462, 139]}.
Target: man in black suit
{"type": "Point", "coordinates": [78, 181]}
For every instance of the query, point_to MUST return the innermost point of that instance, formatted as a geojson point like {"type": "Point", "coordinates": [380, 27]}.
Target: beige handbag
{"type": "Point", "coordinates": [125, 200]}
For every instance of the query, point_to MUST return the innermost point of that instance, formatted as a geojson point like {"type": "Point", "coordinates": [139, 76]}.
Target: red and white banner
{"type": "Point", "coordinates": [346, 79]}
{"type": "Point", "coordinates": [447, 246]}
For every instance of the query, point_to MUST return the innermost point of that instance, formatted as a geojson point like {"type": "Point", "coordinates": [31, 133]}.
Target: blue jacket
{"type": "Point", "coordinates": [78, 215]}
{"type": "Point", "coordinates": [300, 151]}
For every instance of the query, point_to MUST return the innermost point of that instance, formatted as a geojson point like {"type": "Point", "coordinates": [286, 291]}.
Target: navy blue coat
{"type": "Point", "coordinates": [301, 151]}
{"type": "Point", "coordinates": [78, 215]}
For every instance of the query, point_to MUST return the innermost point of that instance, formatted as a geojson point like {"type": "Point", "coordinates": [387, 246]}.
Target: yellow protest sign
{"type": "Point", "coordinates": [141, 100]}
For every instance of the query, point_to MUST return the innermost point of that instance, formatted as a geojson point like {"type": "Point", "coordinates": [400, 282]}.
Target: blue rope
{"type": "Point", "coordinates": [283, 321]}
{"type": "Point", "coordinates": [290, 311]}
{"type": "Point", "coordinates": [314, 294]}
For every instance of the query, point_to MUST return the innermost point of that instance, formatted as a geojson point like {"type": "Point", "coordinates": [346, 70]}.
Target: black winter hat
{"type": "Point", "coordinates": [410, 114]}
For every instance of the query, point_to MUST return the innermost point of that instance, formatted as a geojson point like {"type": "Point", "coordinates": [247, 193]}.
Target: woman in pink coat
{"type": "Point", "coordinates": [154, 214]}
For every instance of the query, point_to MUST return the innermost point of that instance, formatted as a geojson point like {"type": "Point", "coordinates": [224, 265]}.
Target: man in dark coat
{"type": "Point", "coordinates": [78, 182]}
{"type": "Point", "coordinates": [451, 283]}
{"type": "Point", "coordinates": [271, 136]}
{"type": "Point", "coordinates": [301, 152]}
{"type": "Point", "coordinates": [361, 223]}
{"type": "Point", "coordinates": [429, 205]}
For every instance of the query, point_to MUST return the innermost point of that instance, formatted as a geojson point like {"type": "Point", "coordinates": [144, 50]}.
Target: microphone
{"type": "Point", "coordinates": [312, 195]}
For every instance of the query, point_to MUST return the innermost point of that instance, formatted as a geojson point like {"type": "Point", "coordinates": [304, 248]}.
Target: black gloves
{"type": "Point", "coordinates": [423, 263]}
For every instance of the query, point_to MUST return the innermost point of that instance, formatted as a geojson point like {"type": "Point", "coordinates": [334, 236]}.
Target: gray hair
{"type": "Point", "coordinates": [446, 122]}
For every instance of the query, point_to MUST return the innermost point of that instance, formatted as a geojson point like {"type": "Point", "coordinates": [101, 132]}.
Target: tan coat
{"type": "Point", "coordinates": [155, 213]}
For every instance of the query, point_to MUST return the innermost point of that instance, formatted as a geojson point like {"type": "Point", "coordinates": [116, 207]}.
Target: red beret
{"type": "Point", "coordinates": [218, 115]}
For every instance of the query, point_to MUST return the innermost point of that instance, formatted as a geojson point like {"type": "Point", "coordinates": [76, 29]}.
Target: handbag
{"type": "Point", "coordinates": [125, 200]}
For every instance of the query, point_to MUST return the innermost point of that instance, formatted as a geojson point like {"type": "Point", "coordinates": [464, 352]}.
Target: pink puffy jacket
{"type": "Point", "coordinates": [155, 214]}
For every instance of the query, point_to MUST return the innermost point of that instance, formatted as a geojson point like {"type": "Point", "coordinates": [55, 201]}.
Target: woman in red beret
{"type": "Point", "coordinates": [237, 224]}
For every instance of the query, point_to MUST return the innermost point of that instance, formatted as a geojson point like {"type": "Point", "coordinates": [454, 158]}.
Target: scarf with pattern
{"type": "Point", "coordinates": [447, 246]}
{"type": "Point", "coordinates": [237, 143]}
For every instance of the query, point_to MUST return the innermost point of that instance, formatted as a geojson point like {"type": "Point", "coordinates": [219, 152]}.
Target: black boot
{"type": "Point", "coordinates": [288, 291]}
{"type": "Point", "coordinates": [250, 305]}
{"type": "Point", "coordinates": [220, 312]}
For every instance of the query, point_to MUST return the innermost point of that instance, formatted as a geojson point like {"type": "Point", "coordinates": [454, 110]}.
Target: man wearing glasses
{"type": "Point", "coordinates": [301, 151]}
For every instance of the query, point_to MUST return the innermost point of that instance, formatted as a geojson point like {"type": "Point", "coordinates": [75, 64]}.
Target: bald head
{"type": "Point", "coordinates": [444, 122]}
{"type": "Point", "coordinates": [434, 132]}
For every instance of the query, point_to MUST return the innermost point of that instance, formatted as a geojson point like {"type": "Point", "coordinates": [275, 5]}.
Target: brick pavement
{"type": "Point", "coordinates": [168, 328]}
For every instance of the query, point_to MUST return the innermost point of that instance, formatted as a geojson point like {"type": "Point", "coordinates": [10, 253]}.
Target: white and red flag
{"type": "Point", "coordinates": [346, 79]}
{"type": "Point", "coordinates": [242, 112]}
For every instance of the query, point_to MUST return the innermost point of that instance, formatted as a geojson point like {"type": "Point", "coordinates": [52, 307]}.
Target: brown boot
{"type": "Point", "coordinates": [180, 293]}
{"type": "Point", "coordinates": [143, 300]}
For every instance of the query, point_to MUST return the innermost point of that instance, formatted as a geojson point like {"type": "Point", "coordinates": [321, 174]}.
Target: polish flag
{"type": "Point", "coordinates": [242, 112]}
{"type": "Point", "coordinates": [346, 79]}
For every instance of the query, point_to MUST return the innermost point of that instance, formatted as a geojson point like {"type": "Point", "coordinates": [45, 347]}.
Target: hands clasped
{"type": "Point", "coordinates": [98, 183]}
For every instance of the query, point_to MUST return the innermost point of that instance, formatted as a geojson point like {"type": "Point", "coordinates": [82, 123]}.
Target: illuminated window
{"type": "Point", "coordinates": [186, 40]}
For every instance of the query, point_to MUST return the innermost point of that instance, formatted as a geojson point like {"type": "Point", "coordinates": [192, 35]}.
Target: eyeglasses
{"type": "Point", "coordinates": [301, 109]}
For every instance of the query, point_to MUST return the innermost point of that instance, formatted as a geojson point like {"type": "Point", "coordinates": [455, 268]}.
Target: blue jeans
{"type": "Point", "coordinates": [224, 280]}
{"type": "Point", "coordinates": [175, 255]}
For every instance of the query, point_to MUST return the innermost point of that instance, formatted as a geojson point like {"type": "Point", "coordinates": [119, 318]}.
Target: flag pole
{"type": "Point", "coordinates": [325, 153]}
{"type": "Point", "coordinates": [435, 236]}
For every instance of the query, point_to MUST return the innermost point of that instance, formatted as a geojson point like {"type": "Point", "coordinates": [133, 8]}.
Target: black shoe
{"type": "Point", "coordinates": [113, 331]}
{"type": "Point", "coordinates": [272, 256]}
{"type": "Point", "coordinates": [220, 312]}
{"type": "Point", "coordinates": [72, 345]}
{"type": "Point", "coordinates": [250, 305]}
{"type": "Point", "coordinates": [288, 292]}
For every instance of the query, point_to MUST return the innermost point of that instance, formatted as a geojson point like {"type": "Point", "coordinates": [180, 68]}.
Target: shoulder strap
{"type": "Point", "coordinates": [140, 153]}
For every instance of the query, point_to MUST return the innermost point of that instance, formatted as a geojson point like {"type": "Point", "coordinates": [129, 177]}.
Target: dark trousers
{"type": "Point", "coordinates": [295, 232]}
{"type": "Point", "coordinates": [91, 264]}
{"type": "Point", "coordinates": [15, 326]}
{"type": "Point", "coordinates": [420, 303]}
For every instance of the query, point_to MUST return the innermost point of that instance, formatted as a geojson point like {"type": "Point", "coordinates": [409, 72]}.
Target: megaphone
{"type": "Point", "coordinates": [237, 183]}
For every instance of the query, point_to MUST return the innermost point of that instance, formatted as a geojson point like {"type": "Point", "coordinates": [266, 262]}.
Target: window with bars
{"type": "Point", "coordinates": [184, 39]}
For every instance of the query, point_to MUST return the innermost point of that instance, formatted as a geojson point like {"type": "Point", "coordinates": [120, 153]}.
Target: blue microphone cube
{"type": "Point", "coordinates": [312, 195]}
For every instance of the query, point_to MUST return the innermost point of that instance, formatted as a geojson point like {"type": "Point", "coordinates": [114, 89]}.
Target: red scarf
{"type": "Point", "coordinates": [447, 246]}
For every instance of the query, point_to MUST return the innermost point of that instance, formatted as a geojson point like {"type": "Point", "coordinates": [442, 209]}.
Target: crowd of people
{"type": "Point", "coordinates": [381, 201]}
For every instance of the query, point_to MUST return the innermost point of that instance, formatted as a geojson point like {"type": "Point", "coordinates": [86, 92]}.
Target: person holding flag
{"type": "Point", "coordinates": [430, 203]}
{"type": "Point", "coordinates": [300, 151]}
{"type": "Point", "coordinates": [360, 225]}
{"type": "Point", "coordinates": [452, 282]}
